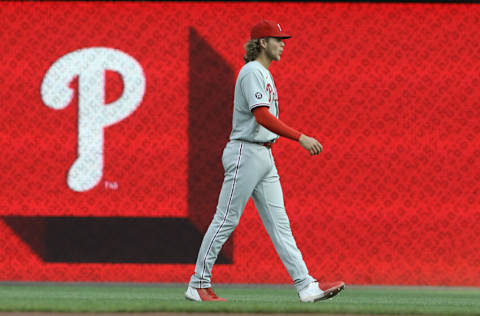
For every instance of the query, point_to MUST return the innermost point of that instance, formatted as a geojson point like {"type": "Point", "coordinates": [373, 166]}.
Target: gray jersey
{"type": "Point", "coordinates": [254, 88]}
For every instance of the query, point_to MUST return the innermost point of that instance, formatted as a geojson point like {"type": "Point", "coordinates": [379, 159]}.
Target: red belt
{"type": "Point", "coordinates": [268, 145]}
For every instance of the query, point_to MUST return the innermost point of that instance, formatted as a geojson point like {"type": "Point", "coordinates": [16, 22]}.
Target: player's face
{"type": "Point", "coordinates": [274, 48]}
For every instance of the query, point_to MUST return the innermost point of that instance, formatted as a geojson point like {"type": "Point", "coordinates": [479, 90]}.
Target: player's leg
{"type": "Point", "coordinates": [243, 169]}
{"type": "Point", "coordinates": [268, 198]}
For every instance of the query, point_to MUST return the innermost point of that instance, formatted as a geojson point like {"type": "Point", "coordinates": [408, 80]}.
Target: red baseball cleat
{"type": "Point", "coordinates": [313, 292]}
{"type": "Point", "coordinates": [202, 295]}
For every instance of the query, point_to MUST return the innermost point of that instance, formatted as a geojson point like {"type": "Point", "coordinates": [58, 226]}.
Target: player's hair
{"type": "Point", "coordinates": [252, 49]}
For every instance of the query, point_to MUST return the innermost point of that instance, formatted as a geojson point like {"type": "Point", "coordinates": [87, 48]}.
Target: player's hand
{"type": "Point", "coordinates": [310, 144]}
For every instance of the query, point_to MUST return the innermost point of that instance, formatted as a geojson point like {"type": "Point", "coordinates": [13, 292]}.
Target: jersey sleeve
{"type": "Point", "coordinates": [270, 122]}
{"type": "Point", "coordinates": [253, 88]}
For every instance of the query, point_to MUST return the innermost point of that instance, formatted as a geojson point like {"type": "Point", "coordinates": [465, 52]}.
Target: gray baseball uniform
{"type": "Point", "coordinates": [250, 172]}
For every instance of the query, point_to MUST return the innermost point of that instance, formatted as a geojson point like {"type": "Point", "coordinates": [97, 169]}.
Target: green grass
{"type": "Point", "coordinates": [242, 299]}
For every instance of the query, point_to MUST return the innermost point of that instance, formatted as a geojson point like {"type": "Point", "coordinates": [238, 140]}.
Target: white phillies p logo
{"type": "Point", "coordinates": [89, 65]}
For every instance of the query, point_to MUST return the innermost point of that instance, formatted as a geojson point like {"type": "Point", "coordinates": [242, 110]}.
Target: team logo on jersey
{"type": "Point", "coordinates": [258, 95]}
{"type": "Point", "coordinates": [279, 28]}
{"type": "Point", "coordinates": [270, 92]}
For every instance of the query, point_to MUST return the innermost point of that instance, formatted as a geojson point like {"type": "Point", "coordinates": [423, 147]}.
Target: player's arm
{"type": "Point", "coordinates": [273, 124]}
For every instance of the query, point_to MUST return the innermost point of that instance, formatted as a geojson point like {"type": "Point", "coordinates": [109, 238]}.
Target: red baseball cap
{"type": "Point", "coordinates": [267, 29]}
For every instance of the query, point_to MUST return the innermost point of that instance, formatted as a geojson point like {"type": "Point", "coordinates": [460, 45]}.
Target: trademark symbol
{"type": "Point", "coordinates": [111, 185]}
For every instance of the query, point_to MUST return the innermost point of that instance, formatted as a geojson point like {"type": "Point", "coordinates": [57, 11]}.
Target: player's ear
{"type": "Point", "coordinates": [263, 42]}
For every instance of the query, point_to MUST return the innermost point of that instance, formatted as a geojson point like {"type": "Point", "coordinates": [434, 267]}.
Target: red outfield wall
{"type": "Point", "coordinates": [390, 90]}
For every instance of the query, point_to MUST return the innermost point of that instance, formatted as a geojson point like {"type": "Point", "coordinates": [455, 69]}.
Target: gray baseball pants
{"type": "Point", "coordinates": [250, 171]}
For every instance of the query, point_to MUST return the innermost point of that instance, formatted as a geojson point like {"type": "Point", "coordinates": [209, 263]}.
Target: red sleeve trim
{"type": "Point", "coordinates": [270, 122]}
{"type": "Point", "coordinates": [259, 104]}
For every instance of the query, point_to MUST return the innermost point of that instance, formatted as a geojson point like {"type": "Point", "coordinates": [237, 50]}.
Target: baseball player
{"type": "Point", "coordinates": [250, 171]}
